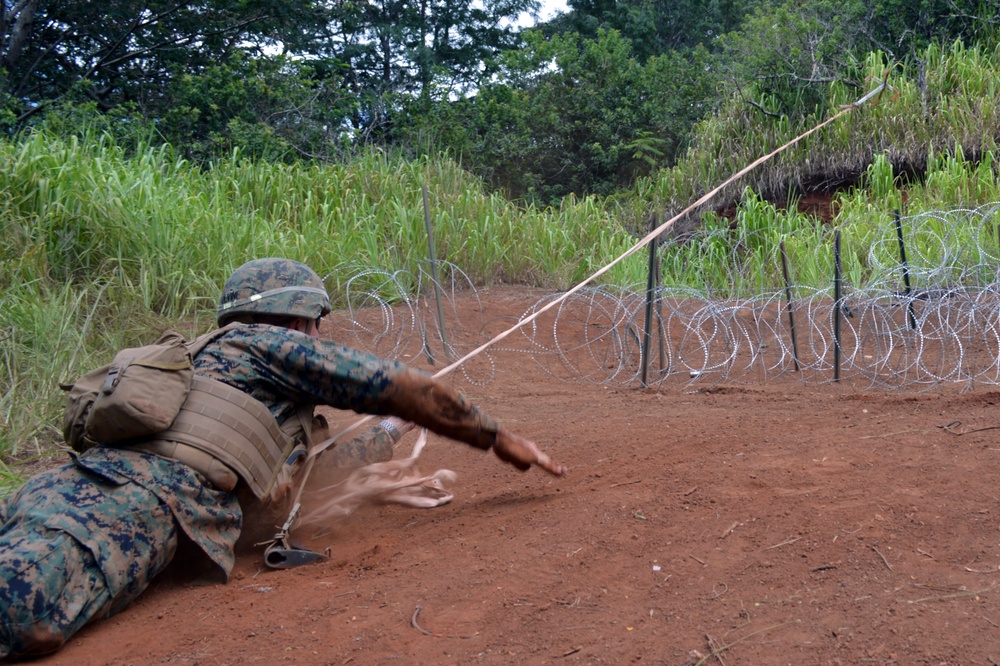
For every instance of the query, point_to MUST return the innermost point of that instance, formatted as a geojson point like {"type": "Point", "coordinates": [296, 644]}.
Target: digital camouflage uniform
{"type": "Point", "coordinates": [82, 541]}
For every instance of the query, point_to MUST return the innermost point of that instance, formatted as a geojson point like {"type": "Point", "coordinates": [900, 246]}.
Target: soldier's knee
{"type": "Point", "coordinates": [50, 586]}
{"type": "Point", "coordinates": [34, 642]}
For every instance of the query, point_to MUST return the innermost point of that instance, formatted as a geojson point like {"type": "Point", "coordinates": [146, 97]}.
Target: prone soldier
{"type": "Point", "coordinates": [81, 541]}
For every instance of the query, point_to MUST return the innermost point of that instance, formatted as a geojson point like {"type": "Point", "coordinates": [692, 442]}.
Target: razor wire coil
{"type": "Point", "coordinates": [945, 329]}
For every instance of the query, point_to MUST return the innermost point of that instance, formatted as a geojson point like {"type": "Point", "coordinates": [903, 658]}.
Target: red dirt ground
{"type": "Point", "coordinates": [783, 523]}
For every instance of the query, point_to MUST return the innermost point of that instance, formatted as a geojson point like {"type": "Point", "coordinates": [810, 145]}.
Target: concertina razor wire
{"type": "Point", "coordinates": [945, 330]}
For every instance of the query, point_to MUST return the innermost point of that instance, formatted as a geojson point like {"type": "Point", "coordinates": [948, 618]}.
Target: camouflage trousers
{"type": "Point", "coordinates": [78, 545]}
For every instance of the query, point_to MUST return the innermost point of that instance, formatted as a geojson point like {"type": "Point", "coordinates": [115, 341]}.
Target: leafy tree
{"type": "Point", "coordinates": [655, 27]}
{"type": "Point", "coordinates": [783, 51]}
{"type": "Point", "coordinates": [271, 108]}
{"type": "Point", "coordinates": [901, 28]}
{"type": "Point", "coordinates": [569, 114]}
{"type": "Point", "coordinates": [119, 51]}
{"type": "Point", "coordinates": [392, 50]}
{"type": "Point", "coordinates": [791, 52]}
{"type": "Point", "coordinates": [788, 52]}
{"type": "Point", "coordinates": [137, 55]}
{"type": "Point", "coordinates": [9, 106]}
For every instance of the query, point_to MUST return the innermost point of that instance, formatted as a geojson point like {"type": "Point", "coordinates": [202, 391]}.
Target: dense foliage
{"type": "Point", "coordinates": [584, 103]}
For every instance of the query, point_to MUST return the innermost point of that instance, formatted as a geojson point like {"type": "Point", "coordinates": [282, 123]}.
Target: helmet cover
{"type": "Point", "coordinates": [273, 286]}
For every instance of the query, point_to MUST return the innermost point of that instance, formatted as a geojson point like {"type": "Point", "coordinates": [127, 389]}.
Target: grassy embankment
{"type": "Point", "coordinates": [915, 148]}
{"type": "Point", "coordinates": [100, 250]}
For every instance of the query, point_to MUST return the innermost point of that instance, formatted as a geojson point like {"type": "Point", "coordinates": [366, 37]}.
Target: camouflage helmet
{"type": "Point", "coordinates": [273, 286]}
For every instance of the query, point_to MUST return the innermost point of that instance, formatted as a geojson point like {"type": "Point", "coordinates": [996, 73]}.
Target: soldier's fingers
{"type": "Point", "coordinates": [549, 465]}
{"type": "Point", "coordinates": [531, 453]}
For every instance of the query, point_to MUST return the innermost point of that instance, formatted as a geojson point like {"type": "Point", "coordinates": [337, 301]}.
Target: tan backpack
{"type": "Point", "coordinates": [137, 395]}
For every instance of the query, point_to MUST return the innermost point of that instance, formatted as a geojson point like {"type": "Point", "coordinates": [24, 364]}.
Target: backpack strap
{"type": "Point", "coordinates": [203, 340]}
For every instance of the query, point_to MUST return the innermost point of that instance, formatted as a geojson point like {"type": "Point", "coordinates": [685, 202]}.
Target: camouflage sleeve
{"type": "Point", "coordinates": [283, 368]}
{"type": "Point", "coordinates": [371, 446]}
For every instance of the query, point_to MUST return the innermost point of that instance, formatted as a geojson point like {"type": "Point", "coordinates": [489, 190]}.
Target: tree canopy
{"type": "Point", "coordinates": [583, 103]}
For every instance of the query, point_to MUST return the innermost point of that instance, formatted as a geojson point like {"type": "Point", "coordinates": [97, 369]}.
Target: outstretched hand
{"type": "Point", "coordinates": [523, 453]}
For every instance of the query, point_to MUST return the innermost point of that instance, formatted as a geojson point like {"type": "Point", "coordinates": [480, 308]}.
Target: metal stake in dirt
{"type": "Point", "coordinates": [648, 329]}
{"type": "Point", "coordinates": [910, 317]}
{"type": "Point", "coordinates": [836, 305]}
{"type": "Point", "coordinates": [662, 335]}
{"type": "Point", "coordinates": [791, 308]}
{"type": "Point", "coordinates": [434, 273]}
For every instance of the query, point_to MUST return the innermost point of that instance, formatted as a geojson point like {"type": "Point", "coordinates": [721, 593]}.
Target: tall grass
{"type": "Point", "coordinates": [100, 249]}
{"type": "Point", "coordinates": [741, 255]}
